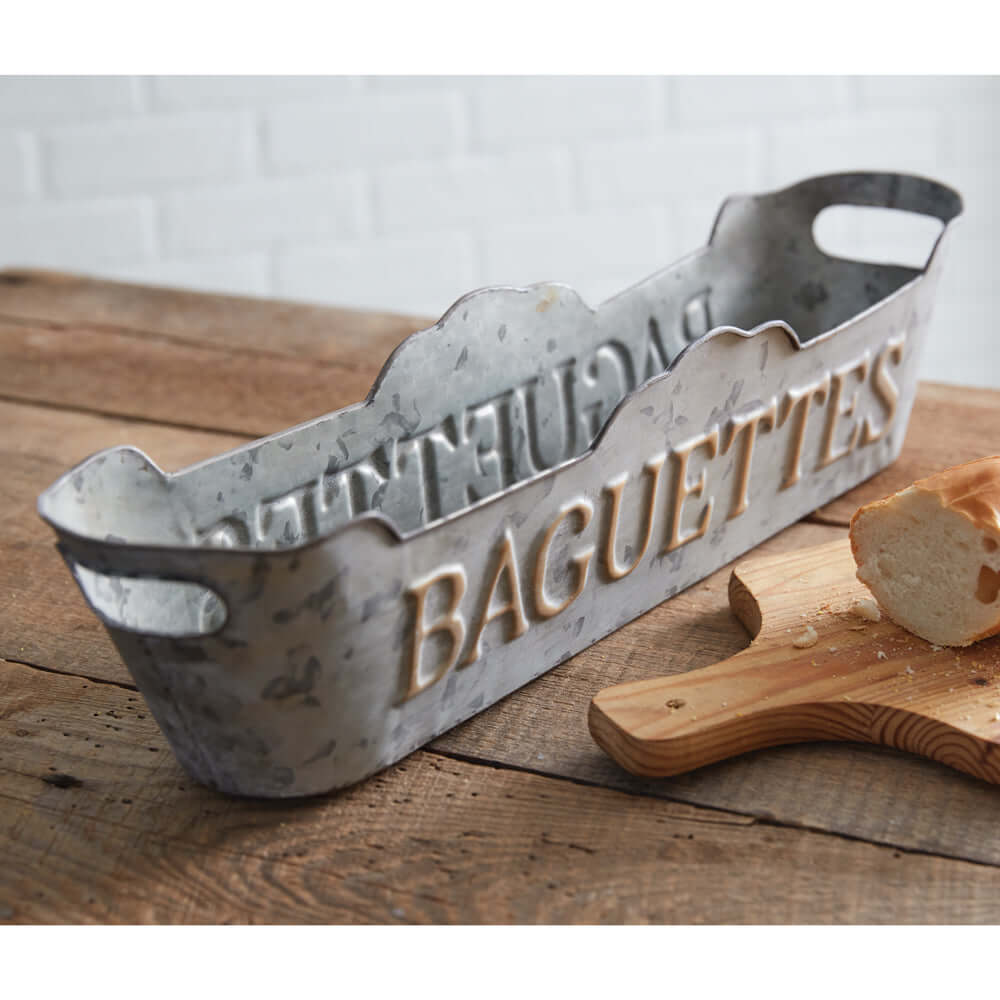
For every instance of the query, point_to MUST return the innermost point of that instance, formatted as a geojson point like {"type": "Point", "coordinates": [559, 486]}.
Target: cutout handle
{"type": "Point", "coordinates": [877, 211]}
{"type": "Point", "coordinates": [877, 235]}
{"type": "Point", "coordinates": [905, 192]}
{"type": "Point", "coordinates": [175, 609]}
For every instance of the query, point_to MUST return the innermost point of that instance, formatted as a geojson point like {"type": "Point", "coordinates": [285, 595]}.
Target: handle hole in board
{"type": "Point", "coordinates": [876, 235]}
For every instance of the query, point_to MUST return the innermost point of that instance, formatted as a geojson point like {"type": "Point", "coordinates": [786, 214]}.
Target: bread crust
{"type": "Point", "coordinates": [971, 490]}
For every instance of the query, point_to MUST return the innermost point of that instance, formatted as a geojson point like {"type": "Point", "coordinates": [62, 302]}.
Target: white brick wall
{"type": "Point", "coordinates": [603, 253]}
{"type": "Point", "coordinates": [467, 192]}
{"type": "Point", "coordinates": [86, 236]}
{"type": "Point", "coordinates": [703, 100]}
{"type": "Point", "coordinates": [265, 213]}
{"type": "Point", "coordinates": [147, 154]}
{"type": "Point", "coordinates": [16, 166]}
{"type": "Point", "coordinates": [42, 100]}
{"type": "Point", "coordinates": [404, 192]}
{"type": "Point", "coordinates": [354, 273]}
{"type": "Point", "coordinates": [245, 91]}
{"type": "Point", "coordinates": [368, 129]}
{"type": "Point", "coordinates": [520, 111]}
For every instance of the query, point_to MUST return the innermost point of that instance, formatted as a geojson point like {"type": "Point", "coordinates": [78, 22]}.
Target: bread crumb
{"type": "Point", "coordinates": [908, 670]}
{"type": "Point", "coordinates": [806, 639]}
{"type": "Point", "coordinates": [880, 655]}
{"type": "Point", "coordinates": [937, 649]}
{"type": "Point", "coordinates": [866, 608]}
{"type": "Point", "coordinates": [833, 649]}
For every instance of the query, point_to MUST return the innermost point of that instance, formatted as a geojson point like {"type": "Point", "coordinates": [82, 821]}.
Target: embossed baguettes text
{"type": "Point", "coordinates": [680, 497]}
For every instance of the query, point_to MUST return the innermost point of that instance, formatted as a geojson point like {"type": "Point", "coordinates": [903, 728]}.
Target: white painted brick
{"type": "Point", "coordinates": [15, 166]}
{"type": "Point", "coordinates": [429, 82]}
{"type": "Point", "coordinates": [730, 99]}
{"type": "Point", "coordinates": [258, 213]}
{"type": "Point", "coordinates": [598, 255]}
{"type": "Point", "coordinates": [470, 190]}
{"type": "Point", "coordinates": [145, 154]}
{"type": "Point", "coordinates": [235, 274]}
{"type": "Point", "coordinates": [37, 99]}
{"type": "Point", "coordinates": [970, 270]}
{"type": "Point", "coordinates": [515, 111]}
{"type": "Point", "coordinates": [368, 129]}
{"type": "Point", "coordinates": [206, 91]}
{"type": "Point", "coordinates": [972, 138]}
{"type": "Point", "coordinates": [909, 142]}
{"type": "Point", "coordinates": [946, 92]}
{"type": "Point", "coordinates": [962, 346]}
{"type": "Point", "coordinates": [694, 218]}
{"type": "Point", "coordinates": [422, 275]}
{"type": "Point", "coordinates": [672, 242]}
{"type": "Point", "coordinates": [977, 184]}
{"type": "Point", "coordinates": [82, 235]}
{"type": "Point", "coordinates": [675, 168]}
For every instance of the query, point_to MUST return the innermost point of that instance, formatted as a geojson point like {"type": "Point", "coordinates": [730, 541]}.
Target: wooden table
{"type": "Point", "coordinates": [514, 817]}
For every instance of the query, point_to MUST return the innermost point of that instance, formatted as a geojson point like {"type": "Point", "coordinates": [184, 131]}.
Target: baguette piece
{"type": "Point", "coordinates": [931, 553]}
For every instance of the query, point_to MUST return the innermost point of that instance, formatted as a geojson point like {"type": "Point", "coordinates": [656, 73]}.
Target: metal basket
{"type": "Point", "coordinates": [526, 476]}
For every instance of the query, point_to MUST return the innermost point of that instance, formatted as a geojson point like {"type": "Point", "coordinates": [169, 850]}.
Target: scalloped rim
{"type": "Point", "coordinates": [377, 518]}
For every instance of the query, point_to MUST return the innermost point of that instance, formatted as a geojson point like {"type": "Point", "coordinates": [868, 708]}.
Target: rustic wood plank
{"type": "Point", "coordinates": [949, 425]}
{"type": "Point", "coordinates": [352, 338]}
{"type": "Point", "coordinates": [209, 387]}
{"type": "Point", "coordinates": [106, 829]}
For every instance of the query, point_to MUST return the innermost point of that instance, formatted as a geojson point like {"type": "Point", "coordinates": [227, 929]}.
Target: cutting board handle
{"type": "Point", "coordinates": [860, 680]}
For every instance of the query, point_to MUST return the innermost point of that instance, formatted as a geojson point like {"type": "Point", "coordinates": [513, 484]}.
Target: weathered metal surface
{"type": "Point", "coordinates": [525, 477]}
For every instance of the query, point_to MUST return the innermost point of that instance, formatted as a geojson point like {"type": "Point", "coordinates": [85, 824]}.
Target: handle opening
{"type": "Point", "coordinates": [877, 235]}
{"type": "Point", "coordinates": [176, 609]}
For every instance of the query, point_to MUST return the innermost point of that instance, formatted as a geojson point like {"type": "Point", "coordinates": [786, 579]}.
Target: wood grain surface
{"type": "Point", "coordinates": [349, 338]}
{"type": "Point", "coordinates": [816, 670]}
{"type": "Point", "coordinates": [516, 816]}
{"type": "Point", "coordinates": [101, 825]}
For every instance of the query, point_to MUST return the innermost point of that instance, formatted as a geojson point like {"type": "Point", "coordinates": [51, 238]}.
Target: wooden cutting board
{"type": "Point", "coordinates": [861, 680]}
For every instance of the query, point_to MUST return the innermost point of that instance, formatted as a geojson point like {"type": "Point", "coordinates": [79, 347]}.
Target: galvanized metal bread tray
{"type": "Point", "coordinates": [526, 476]}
